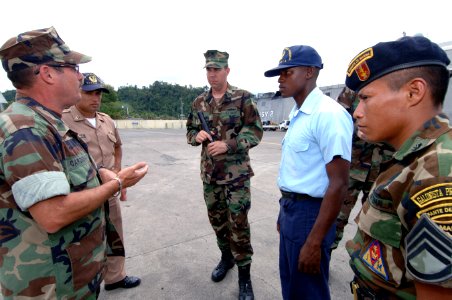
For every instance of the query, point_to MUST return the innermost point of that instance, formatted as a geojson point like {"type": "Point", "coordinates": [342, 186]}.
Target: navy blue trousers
{"type": "Point", "coordinates": [296, 219]}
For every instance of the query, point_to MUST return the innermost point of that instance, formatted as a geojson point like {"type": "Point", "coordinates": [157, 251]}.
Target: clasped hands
{"type": "Point", "coordinates": [213, 148]}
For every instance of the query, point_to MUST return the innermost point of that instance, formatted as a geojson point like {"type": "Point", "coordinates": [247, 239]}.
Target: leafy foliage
{"type": "Point", "coordinates": [9, 95]}
{"type": "Point", "coordinates": [160, 100]}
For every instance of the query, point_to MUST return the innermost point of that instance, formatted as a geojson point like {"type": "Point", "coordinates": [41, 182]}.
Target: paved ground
{"type": "Point", "coordinates": [169, 241]}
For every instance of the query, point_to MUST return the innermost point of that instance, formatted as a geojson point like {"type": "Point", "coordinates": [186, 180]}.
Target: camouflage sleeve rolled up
{"type": "Point", "coordinates": [44, 177]}
{"type": "Point", "coordinates": [37, 153]}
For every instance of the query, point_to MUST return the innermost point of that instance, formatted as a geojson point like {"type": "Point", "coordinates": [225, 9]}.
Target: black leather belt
{"type": "Point", "coordinates": [297, 196]}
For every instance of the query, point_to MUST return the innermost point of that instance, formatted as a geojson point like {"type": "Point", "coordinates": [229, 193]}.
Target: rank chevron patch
{"type": "Point", "coordinates": [373, 258]}
{"type": "Point", "coordinates": [429, 252]}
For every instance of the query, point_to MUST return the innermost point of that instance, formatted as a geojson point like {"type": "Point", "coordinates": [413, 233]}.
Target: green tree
{"type": "Point", "coordinates": [9, 95]}
{"type": "Point", "coordinates": [160, 100]}
{"type": "Point", "coordinates": [110, 104]}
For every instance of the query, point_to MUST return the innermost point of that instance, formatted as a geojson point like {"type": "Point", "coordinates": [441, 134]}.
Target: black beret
{"type": "Point", "coordinates": [387, 57]}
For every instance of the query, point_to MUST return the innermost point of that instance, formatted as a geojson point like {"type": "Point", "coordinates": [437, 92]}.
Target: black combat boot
{"type": "Point", "coordinates": [226, 263]}
{"type": "Point", "coordinates": [245, 287]}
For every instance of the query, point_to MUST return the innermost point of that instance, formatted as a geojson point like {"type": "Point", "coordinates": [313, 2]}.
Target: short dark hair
{"type": "Point", "coordinates": [23, 78]}
{"type": "Point", "coordinates": [437, 78]}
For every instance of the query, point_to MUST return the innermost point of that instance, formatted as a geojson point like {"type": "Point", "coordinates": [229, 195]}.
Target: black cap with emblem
{"type": "Point", "coordinates": [387, 57]}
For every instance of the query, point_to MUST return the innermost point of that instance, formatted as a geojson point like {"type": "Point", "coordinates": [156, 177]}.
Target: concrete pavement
{"type": "Point", "coordinates": [170, 244]}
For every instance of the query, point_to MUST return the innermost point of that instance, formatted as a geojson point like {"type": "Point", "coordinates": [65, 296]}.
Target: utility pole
{"type": "Point", "coordinates": [127, 110]}
{"type": "Point", "coordinates": [181, 109]}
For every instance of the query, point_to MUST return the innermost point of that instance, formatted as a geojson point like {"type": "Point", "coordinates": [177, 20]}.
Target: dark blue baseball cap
{"type": "Point", "coordinates": [295, 56]}
{"type": "Point", "coordinates": [92, 82]}
{"type": "Point", "coordinates": [387, 57]}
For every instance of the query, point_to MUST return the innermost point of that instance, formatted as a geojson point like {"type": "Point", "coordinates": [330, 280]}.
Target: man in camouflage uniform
{"type": "Point", "coordinates": [403, 246]}
{"type": "Point", "coordinates": [54, 225]}
{"type": "Point", "coordinates": [234, 127]}
{"type": "Point", "coordinates": [364, 167]}
{"type": "Point", "coordinates": [99, 132]}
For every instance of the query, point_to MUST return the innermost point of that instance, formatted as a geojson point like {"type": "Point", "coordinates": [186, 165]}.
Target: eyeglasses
{"type": "Point", "coordinates": [73, 67]}
{"type": "Point", "coordinates": [76, 68]}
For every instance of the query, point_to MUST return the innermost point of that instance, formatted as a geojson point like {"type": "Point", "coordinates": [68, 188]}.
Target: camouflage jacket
{"type": "Point", "coordinates": [68, 264]}
{"type": "Point", "coordinates": [236, 121]}
{"type": "Point", "coordinates": [418, 180]}
{"type": "Point", "coordinates": [366, 158]}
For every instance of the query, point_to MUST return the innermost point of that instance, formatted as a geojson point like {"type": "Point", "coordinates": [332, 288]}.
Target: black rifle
{"type": "Point", "coordinates": [204, 124]}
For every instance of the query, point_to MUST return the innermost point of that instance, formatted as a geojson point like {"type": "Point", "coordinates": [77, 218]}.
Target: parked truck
{"type": "Point", "coordinates": [269, 126]}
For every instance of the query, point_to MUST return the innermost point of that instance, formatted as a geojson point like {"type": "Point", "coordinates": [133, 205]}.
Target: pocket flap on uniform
{"type": "Point", "coordinates": [85, 262]}
{"type": "Point", "coordinates": [299, 147]}
{"type": "Point", "coordinates": [112, 137]}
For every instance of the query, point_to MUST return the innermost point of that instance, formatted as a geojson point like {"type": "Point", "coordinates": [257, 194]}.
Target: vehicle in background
{"type": "Point", "coordinates": [269, 126]}
{"type": "Point", "coordinates": [284, 125]}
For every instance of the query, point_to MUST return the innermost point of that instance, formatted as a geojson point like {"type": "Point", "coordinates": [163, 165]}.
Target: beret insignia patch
{"type": "Point", "coordinates": [358, 61]}
{"type": "Point", "coordinates": [363, 71]}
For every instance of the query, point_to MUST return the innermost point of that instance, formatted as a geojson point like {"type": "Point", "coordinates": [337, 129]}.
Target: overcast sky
{"type": "Point", "coordinates": [140, 42]}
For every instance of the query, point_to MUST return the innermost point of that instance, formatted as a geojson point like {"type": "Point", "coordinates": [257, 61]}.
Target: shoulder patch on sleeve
{"type": "Point", "coordinates": [429, 252]}
{"type": "Point", "coordinates": [374, 259]}
{"type": "Point", "coordinates": [432, 194]}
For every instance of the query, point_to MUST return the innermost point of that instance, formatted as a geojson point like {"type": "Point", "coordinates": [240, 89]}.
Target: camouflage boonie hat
{"type": "Point", "coordinates": [91, 82]}
{"type": "Point", "coordinates": [36, 47]}
{"type": "Point", "coordinates": [216, 59]}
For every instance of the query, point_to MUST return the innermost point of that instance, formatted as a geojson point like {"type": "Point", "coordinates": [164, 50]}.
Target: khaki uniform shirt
{"type": "Point", "coordinates": [102, 139]}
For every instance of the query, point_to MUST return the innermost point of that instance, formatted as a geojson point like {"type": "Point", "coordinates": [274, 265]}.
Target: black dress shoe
{"type": "Point", "coordinates": [222, 269]}
{"type": "Point", "coordinates": [127, 283]}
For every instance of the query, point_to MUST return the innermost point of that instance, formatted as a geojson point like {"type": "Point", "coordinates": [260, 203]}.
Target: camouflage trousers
{"type": "Point", "coordinates": [354, 188]}
{"type": "Point", "coordinates": [227, 208]}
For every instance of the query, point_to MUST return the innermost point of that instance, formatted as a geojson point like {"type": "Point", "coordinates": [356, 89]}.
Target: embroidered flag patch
{"type": "Point", "coordinates": [373, 258]}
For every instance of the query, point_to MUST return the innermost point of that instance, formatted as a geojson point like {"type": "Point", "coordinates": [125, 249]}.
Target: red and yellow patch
{"type": "Point", "coordinates": [359, 64]}
{"type": "Point", "coordinates": [374, 259]}
{"type": "Point", "coordinates": [363, 71]}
